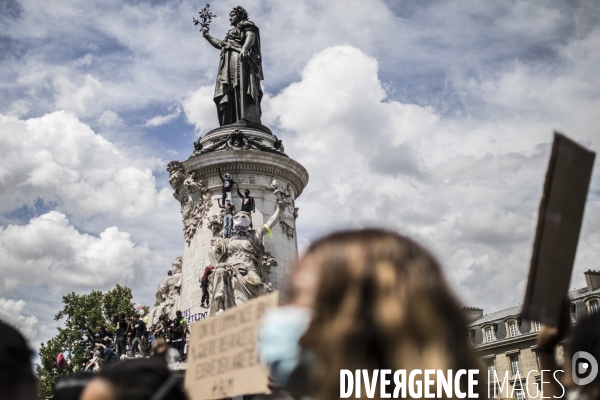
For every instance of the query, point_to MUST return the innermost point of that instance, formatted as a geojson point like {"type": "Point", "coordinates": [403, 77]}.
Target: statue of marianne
{"type": "Point", "coordinates": [237, 91]}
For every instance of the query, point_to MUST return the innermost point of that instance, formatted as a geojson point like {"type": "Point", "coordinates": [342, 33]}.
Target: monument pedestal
{"type": "Point", "coordinates": [256, 161]}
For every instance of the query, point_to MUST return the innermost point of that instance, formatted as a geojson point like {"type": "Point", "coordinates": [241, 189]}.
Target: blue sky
{"type": "Point", "coordinates": [433, 118]}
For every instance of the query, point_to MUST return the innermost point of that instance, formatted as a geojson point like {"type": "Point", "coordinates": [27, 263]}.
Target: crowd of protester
{"type": "Point", "coordinates": [359, 300]}
{"type": "Point", "coordinates": [132, 338]}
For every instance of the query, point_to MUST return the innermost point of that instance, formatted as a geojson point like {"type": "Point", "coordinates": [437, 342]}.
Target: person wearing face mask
{"type": "Point", "coordinates": [367, 299]}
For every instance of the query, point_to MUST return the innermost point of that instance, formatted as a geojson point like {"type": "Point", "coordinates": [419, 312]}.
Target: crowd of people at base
{"type": "Point", "coordinates": [131, 338]}
{"type": "Point", "coordinates": [360, 300]}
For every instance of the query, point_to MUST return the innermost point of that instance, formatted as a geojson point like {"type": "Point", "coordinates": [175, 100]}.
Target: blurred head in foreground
{"type": "Point", "coordinates": [379, 301]}
{"type": "Point", "coordinates": [72, 386]}
{"type": "Point", "coordinates": [139, 379]}
{"type": "Point", "coordinates": [17, 380]}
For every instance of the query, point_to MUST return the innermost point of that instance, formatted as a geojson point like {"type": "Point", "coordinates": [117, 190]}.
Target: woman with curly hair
{"type": "Point", "coordinates": [364, 300]}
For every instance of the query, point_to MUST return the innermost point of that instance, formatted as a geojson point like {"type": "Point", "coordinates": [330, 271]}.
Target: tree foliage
{"type": "Point", "coordinates": [79, 312]}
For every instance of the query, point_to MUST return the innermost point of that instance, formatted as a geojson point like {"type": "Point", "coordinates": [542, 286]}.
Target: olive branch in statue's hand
{"type": "Point", "coordinates": [206, 17]}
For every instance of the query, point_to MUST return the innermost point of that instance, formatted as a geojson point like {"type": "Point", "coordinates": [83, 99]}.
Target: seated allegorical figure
{"type": "Point", "coordinates": [167, 294]}
{"type": "Point", "coordinates": [239, 276]}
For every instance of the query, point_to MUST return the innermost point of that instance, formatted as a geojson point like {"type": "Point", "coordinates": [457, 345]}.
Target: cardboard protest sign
{"type": "Point", "coordinates": [222, 359]}
{"type": "Point", "coordinates": [557, 233]}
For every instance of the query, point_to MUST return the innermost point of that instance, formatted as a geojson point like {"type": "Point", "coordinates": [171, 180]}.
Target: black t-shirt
{"type": "Point", "coordinates": [228, 184]}
{"type": "Point", "coordinates": [139, 328]}
{"type": "Point", "coordinates": [247, 202]}
{"type": "Point", "coordinates": [176, 332]}
{"type": "Point", "coordinates": [121, 328]}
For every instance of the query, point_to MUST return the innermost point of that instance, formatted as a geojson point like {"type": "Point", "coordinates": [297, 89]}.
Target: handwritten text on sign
{"type": "Point", "coordinates": [222, 358]}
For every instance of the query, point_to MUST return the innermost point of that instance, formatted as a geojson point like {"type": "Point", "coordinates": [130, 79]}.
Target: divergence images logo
{"type": "Point", "coordinates": [584, 363]}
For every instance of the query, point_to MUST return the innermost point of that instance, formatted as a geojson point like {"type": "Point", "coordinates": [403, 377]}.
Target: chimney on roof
{"type": "Point", "coordinates": [592, 278]}
{"type": "Point", "coordinates": [473, 313]}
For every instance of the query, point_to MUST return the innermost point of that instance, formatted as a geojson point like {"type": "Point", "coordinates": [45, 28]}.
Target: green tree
{"type": "Point", "coordinates": [79, 312]}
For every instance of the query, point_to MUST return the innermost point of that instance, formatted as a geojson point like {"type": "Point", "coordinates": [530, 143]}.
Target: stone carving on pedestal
{"type": "Point", "coordinates": [290, 211]}
{"type": "Point", "coordinates": [168, 293]}
{"type": "Point", "coordinates": [238, 140]}
{"type": "Point", "coordinates": [268, 261]}
{"type": "Point", "coordinates": [215, 222]}
{"type": "Point", "coordinates": [193, 195]}
{"type": "Point", "coordinates": [239, 275]}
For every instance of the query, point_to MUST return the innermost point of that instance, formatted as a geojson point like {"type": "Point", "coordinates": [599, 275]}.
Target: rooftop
{"type": "Point", "coordinates": [576, 294]}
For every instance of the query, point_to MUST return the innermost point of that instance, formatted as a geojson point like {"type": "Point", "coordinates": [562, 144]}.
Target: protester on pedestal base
{"type": "Point", "coordinates": [204, 283]}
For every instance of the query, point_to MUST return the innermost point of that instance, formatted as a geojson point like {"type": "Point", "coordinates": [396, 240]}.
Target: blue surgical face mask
{"type": "Point", "coordinates": [278, 337]}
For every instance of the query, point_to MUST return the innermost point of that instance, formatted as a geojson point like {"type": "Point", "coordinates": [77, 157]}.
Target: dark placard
{"type": "Point", "coordinates": [558, 227]}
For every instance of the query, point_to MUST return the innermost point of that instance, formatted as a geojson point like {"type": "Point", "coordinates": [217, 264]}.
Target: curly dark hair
{"type": "Point", "coordinates": [241, 12]}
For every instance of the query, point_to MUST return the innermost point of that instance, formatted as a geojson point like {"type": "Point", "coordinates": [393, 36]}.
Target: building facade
{"type": "Point", "coordinates": [507, 345]}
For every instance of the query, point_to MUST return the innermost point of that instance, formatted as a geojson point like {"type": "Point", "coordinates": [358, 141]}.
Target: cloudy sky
{"type": "Point", "coordinates": [430, 117]}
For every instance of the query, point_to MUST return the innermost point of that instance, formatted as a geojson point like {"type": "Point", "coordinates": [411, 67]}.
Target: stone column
{"type": "Point", "coordinates": [257, 162]}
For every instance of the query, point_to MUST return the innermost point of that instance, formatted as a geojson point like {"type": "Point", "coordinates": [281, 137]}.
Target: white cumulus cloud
{"type": "Point", "coordinates": [465, 187]}
{"type": "Point", "coordinates": [58, 159]}
{"type": "Point", "coordinates": [200, 110]}
{"type": "Point", "coordinates": [50, 251]}
{"type": "Point", "coordinates": [163, 119]}
{"type": "Point", "coordinates": [10, 311]}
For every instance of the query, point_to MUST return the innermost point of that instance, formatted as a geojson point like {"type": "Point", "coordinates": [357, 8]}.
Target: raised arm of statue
{"type": "Point", "coordinates": [216, 43]}
{"type": "Point", "coordinates": [273, 220]}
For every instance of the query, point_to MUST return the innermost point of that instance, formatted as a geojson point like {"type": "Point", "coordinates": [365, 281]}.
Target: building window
{"type": "Point", "coordinates": [573, 309]}
{"type": "Point", "coordinates": [594, 307]}
{"type": "Point", "coordinates": [537, 325]}
{"type": "Point", "coordinates": [512, 328]}
{"type": "Point", "coordinates": [489, 336]}
{"type": "Point", "coordinates": [490, 365]}
{"type": "Point", "coordinates": [514, 364]}
{"type": "Point", "coordinates": [519, 393]}
{"type": "Point", "coordinates": [498, 393]}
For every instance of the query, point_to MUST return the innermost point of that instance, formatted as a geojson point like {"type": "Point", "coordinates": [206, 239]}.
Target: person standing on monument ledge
{"type": "Point", "coordinates": [227, 185]}
{"type": "Point", "coordinates": [247, 200]}
{"type": "Point", "coordinates": [228, 220]}
{"type": "Point", "coordinates": [237, 90]}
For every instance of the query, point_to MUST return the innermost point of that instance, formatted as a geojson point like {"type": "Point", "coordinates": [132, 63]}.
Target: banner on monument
{"type": "Point", "coordinates": [222, 358]}
{"type": "Point", "coordinates": [557, 233]}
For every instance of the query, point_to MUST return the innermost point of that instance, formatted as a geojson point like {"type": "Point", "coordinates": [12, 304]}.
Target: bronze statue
{"type": "Point", "coordinates": [237, 91]}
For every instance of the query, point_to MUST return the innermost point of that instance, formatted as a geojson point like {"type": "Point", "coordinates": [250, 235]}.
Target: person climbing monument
{"type": "Point", "coordinates": [227, 185]}
{"type": "Point", "coordinates": [228, 219]}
